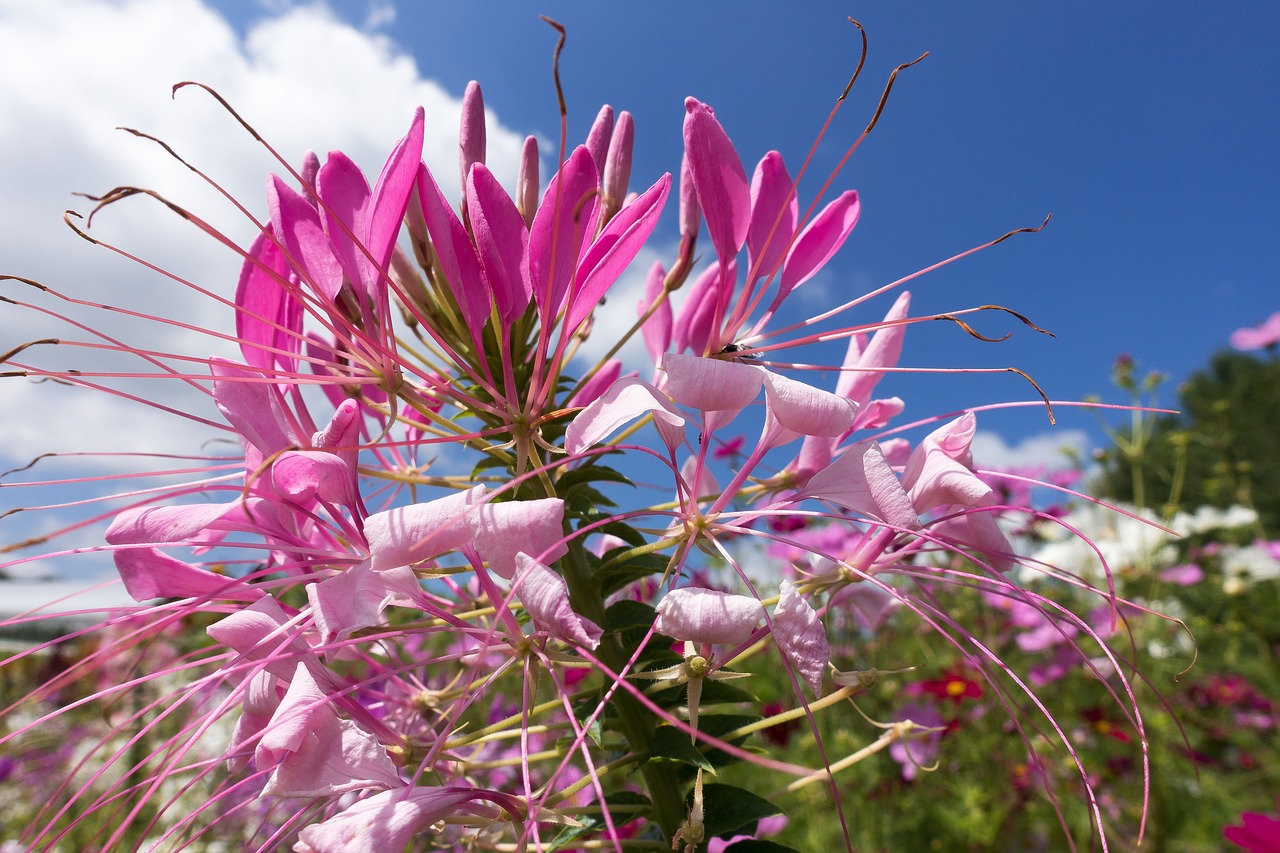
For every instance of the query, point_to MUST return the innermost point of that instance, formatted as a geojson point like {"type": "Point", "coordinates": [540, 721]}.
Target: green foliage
{"type": "Point", "coordinates": [1221, 450]}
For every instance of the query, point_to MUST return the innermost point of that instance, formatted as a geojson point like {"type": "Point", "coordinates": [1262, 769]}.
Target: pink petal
{"type": "Point", "coordinates": [769, 234]}
{"type": "Point", "coordinates": [981, 532]}
{"type": "Point", "coordinates": [598, 384]}
{"type": "Point", "coordinates": [800, 637]}
{"type": "Point", "coordinates": [258, 633]}
{"type": "Point", "coordinates": [410, 534]}
{"type": "Point", "coordinates": [254, 408]}
{"type": "Point", "coordinates": [657, 329]}
{"type": "Point", "coordinates": [944, 482]}
{"type": "Point", "coordinates": [711, 384]}
{"type": "Point", "coordinates": [546, 596]}
{"type": "Point", "coordinates": [503, 242]}
{"type": "Point", "coordinates": [708, 616]}
{"type": "Point", "coordinates": [807, 410]}
{"type": "Point", "coordinates": [719, 178]}
{"type": "Point", "coordinates": [861, 480]}
{"type": "Point", "coordinates": [316, 754]}
{"type": "Point", "coordinates": [614, 250]}
{"type": "Point", "coordinates": [693, 325]}
{"type": "Point", "coordinates": [624, 401]}
{"type": "Point", "coordinates": [181, 523]}
{"type": "Point", "coordinates": [820, 239]}
{"type": "Point", "coordinates": [306, 475]}
{"type": "Point", "coordinates": [342, 433]}
{"type": "Point", "coordinates": [296, 222]}
{"type": "Point", "coordinates": [564, 223]}
{"type": "Point", "coordinates": [148, 574]}
{"type": "Point", "coordinates": [471, 133]}
{"type": "Point", "coordinates": [391, 194]}
{"type": "Point", "coordinates": [599, 135]}
{"type": "Point", "coordinates": [503, 530]}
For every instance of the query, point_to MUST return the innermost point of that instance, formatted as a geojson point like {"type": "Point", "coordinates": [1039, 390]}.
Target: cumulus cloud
{"type": "Point", "coordinates": [302, 77]}
{"type": "Point", "coordinates": [1047, 449]}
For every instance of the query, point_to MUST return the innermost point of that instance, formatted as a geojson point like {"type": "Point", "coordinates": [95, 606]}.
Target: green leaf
{"type": "Point", "coordinates": [713, 693]}
{"type": "Point", "coordinates": [634, 568]}
{"type": "Point", "coordinates": [592, 819]}
{"type": "Point", "coordinates": [628, 614]}
{"type": "Point", "coordinates": [672, 744]}
{"type": "Point", "coordinates": [726, 808]}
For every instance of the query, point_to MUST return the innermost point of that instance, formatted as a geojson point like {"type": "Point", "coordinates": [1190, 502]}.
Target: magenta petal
{"type": "Point", "coordinates": [410, 534]}
{"type": "Point", "coordinates": [390, 199]}
{"type": "Point", "coordinates": [614, 250]}
{"type": "Point", "coordinates": [624, 401]}
{"type": "Point", "coordinates": [800, 637]}
{"type": "Point", "coordinates": [297, 224]}
{"type": "Point", "coordinates": [345, 213]}
{"type": "Point", "coordinates": [599, 135]}
{"type": "Point", "coordinates": [456, 254]}
{"type": "Point", "coordinates": [564, 223]}
{"type": "Point", "coordinates": [503, 242]}
{"type": "Point", "coordinates": [546, 596]}
{"type": "Point", "coordinates": [774, 211]}
{"type": "Point", "coordinates": [711, 384]}
{"type": "Point", "coordinates": [268, 315]}
{"type": "Point", "coordinates": [148, 574]}
{"type": "Point", "coordinates": [503, 530]}
{"type": "Point", "coordinates": [693, 324]}
{"type": "Point", "coordinates": [708, 616]}
{"type": "Point", "coordinates": [316, 754]}
{"type": "Point", "coordinates": [820, 239]}
{"type": "Point", "coordinates": [720, 180]}
{"type": "Point", "coordinates": [806, 410]}
{"type": "Point", "coordinates": [861, 480]}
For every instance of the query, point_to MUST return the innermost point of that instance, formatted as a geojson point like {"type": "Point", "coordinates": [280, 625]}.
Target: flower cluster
{"type": "Point", "coordinates": [412, 606]}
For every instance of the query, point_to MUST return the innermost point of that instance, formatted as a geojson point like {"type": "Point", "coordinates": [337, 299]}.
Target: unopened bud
{"type": "Point", "coordinates": [471, 135]}
{"type": "Point", "coordinates": [617, 165]}
{"type": "Point", "coordinates": [689, 210]}
{"type": "Point", "coordinates": [527, 181]}
{"type": "Point", "coordinates": [598, 138]}
{"type": "Point", "coordinates": [310, 168]}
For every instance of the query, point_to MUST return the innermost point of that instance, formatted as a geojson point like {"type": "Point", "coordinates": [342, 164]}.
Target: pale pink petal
{"type": "Point", "coordinates": [861, 480]}
{"type": "Point", "coordinates": [884, 349]}
{"type": "Point", "coordinates": [774, 212]}
{"type": "Point", "coordinates": [708, 616]}
{"type": "Point", "coordinates": [316, 754]}
{"type": "Point", "coordinates": [942, 481]}
{"type": "Point", "coordinates": [720, 180]}
{"type": "Point", "coordinates": [624, 401]}
{"type": "Point", "coordinates": [800, 637]}
{"type": "Point", "coordinates": [257, 632]}
{"type": "Point", "coordinates": [701, 481]}
{"type": "Point", "coordinates": [503, 530]}
{"type": "Point", "coordinates": [180, 523]}
{"type": "Point", "coordinates": [877, 413]}
{"type": "Point", "coordinates": [410, 534]}
{"type": "Point", "coordinates": [546, 596]}
{"type": "Point", "coordinates": [614, 250]}
{"type": "Point", "coordinates": [295, 221]}
{"type": "Point", "coordinates": [503, 242]}
{"type": "Point", "coordinates": [355, 598]}
{"type": "Point", "coordinates": [807, 410]}
{"type": "Point", "coordinates": [981, 532]}
{"type": "Point", "coordinates": [820, 239]}
{"type": "Point", "coordinates": [711, 384]}
{"type": "Point", "coordinates": [389, 820]}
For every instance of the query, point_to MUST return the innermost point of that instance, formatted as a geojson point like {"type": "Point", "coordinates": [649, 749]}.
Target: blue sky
{"type": "Point", "coordinates": [1149, 130]}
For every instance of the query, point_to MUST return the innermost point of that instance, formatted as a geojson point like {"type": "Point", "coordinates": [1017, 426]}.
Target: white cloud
{"type": "Point", "coordinates": [1046, 449]}
{"type": "Point", "coordinates": [303, 79]}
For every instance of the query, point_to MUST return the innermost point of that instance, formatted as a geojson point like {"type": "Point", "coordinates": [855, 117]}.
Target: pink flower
{"type": "Point", "coordinates": [1263, 336]}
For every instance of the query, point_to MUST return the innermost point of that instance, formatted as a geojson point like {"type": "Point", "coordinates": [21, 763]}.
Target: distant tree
{"type": "Point", "coordinates": [1222, 449]}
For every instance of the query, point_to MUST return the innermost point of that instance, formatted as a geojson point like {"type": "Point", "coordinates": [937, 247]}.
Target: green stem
{"type": "Point", "coordinates": [635, 723]}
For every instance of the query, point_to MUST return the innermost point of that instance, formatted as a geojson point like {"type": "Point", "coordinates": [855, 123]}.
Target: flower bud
{"type": "Point", "coordinates": [527, 181]}
{"type": "Point", "coordinates": [598, 138]}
